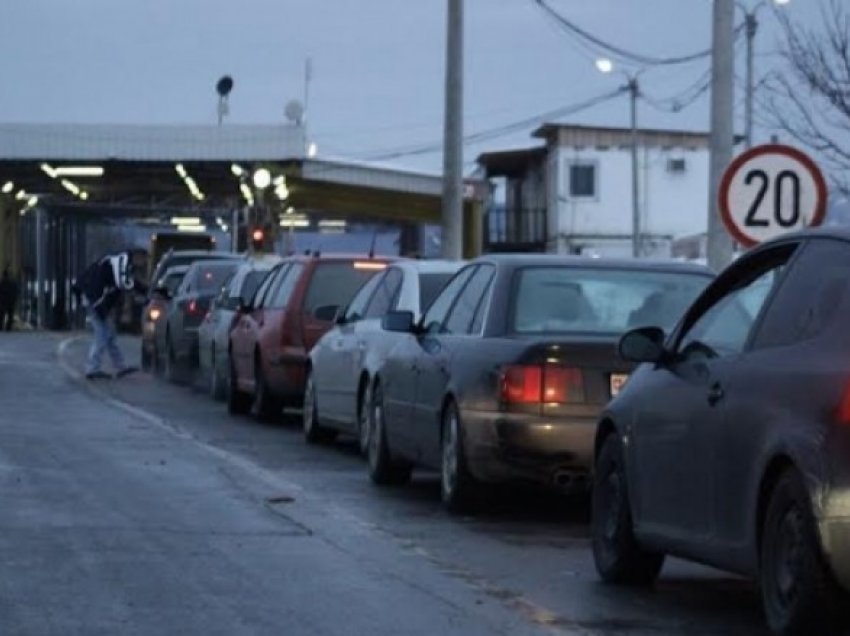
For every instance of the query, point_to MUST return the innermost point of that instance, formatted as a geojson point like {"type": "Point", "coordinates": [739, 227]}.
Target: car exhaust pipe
{"type": "Point", "coordinates": [570, 480]}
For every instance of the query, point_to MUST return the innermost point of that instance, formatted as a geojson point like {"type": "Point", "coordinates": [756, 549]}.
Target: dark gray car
{"type": "Point", "coordinates": [185, 312]}
{"type": "Point", "coordinates": [731, 445]}
{"type": "Point", "coordinates": [504, 376]}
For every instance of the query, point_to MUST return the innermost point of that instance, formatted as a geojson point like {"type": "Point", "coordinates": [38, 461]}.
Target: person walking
{"type": "Point", "coordinates": [100, 287]}
{"type": "Point", "coordinates": [8, 300]}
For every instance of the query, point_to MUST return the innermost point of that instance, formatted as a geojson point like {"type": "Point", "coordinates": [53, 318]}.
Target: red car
{"type": "Point", "coordinates": [293, 308]}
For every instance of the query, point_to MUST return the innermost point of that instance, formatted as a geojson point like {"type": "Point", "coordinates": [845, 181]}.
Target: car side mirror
{"type": "Point", "coordinates": [398, 321]}
{"type": "Point", "coordinates": [340, 318]}
{"type": "Point", "coordinates": [326, 313]}
{"type": "Point", "coordinates": [643, 345]}
{"type": "Point", "coordinates": [244, 306]}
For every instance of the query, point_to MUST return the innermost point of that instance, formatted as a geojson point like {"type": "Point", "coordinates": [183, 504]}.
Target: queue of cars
{"type": "Point", "coordinates": [709, 418]}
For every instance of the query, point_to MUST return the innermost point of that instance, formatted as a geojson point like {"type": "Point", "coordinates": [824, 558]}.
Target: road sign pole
{"type": "Point", "coordinates": [452, 234]}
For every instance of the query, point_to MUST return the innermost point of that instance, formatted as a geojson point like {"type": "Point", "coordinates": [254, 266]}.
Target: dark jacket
{"type": "Point", "coordinates": [100, 289]}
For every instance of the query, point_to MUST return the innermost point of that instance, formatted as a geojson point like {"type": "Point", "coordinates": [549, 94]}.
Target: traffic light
{"type": "Point", "coordinates": [258, 239]}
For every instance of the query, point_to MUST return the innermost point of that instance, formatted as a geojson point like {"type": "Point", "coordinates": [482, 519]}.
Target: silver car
{"type": "Point", "coordinates": [214, 332]}
{"type": "Point", "coordinates": [343, 363]}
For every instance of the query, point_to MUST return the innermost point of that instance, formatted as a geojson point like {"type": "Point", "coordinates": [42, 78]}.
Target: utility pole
{"type": "Point", "coordinates": [452, 213]}
{"type": "Point", "coordinates": [634, 93]}
{"type": "Point", "coordinates": [751, 26]}
{"type": "Point", "coordinates": [719, 244]}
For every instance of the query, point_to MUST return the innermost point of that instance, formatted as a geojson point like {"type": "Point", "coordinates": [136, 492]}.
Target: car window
{"type": "Point", "coordinates": [172, 281]}
{"type": "Point", "coordinates": [569, 299]}
{"type": "Point", "coordinates": [463, 312]}
{"type": "Point", "coordinates": [335, 283]}
{"type": "Point", "coordinates": [724, 326]}
{"type": "Point", "coordinates": [809, 297]}
{"type": "Point", "coordinates": [223, 295]}
{"type": "Point", "coordinates": [210, 276]}
{"type": "Point", "coordinates": [434, 318]}
{"type": "Point", "coordinates": [386, 294]}
{"type": "Point", "coordinates": [357, 308]}
{"type": "Point", "coordinates": [279, 298]}
{"type": "Point", "coordinates": [248, 286]}
{"type": "Point", "coordinates": [263, 289]}
{"type": "Point", "coordinates": [430, 285]}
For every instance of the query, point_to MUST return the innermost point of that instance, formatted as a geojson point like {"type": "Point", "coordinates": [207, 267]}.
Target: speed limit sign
{"type": "Point", "coordinates": [769, 190]}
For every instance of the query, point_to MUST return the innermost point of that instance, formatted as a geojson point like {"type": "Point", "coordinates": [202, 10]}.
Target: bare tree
{"type": "Point", "coordinates": [810, 99]}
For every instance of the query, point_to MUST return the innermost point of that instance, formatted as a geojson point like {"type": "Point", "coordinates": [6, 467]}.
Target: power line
{"type": "Point", "coordinates": [500, 131]}
{"type": "Point", "coordinates": [613, 49]}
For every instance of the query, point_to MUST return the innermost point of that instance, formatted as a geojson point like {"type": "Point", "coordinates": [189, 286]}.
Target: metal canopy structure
{"type": "Point", "coordinates": [56, 178]}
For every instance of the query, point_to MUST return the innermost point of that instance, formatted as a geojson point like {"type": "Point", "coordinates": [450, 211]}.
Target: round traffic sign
{"type": "Point", "coordinates": [770, 190]}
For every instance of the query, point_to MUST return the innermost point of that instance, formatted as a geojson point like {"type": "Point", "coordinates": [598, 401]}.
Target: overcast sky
{"type": "Point", "coordinates": [378, 64]}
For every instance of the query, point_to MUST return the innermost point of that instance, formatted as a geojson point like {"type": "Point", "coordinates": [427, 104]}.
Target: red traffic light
{"type": "Point", "coordinates": [257, 235]}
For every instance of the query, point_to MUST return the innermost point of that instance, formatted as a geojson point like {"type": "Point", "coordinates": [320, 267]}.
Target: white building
{"type": "Point", "coordinates": [574, 194]}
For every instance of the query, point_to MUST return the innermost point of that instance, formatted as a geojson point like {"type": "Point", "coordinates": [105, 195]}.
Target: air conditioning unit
{"type": "Point", "coordinates": [677, 165]}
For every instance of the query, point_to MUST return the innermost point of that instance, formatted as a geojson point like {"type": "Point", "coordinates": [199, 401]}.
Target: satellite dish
{"type": "Point", "coordinates": [294, 111]}
{"type": "Point", "coordinates": [224, 86]}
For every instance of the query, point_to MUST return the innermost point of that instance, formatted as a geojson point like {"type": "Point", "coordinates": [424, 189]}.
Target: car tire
{"type": "Point", "coordinates": [264, 407]}
{"type": "Point", "coordinates": [799, 594]}
{"type": "Point", "coordinates": [364, 418]}
{"type": "Point", "coordinates": [458, 489]}
{"type": "Point", "coordinates": [146, 362]}
{"type": "Point", "coordinates": [383, 469]}
{"type": "Point", "coordinates": [172, 373]}
{"type": "Point", "coordinates": [217, 384]}
{"type": "Point", "coordinates": [314, 432]}
{"type": "Point", "coordinates": [238, 402]}
{"type": "Point", "coordinates": [618, 557]}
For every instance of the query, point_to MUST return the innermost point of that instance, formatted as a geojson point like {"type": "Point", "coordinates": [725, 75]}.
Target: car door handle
{"type": "Point", "coordinates": [715, 393]}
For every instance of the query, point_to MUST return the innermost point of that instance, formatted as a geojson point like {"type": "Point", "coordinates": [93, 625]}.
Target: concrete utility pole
{"type": "Point", "coordinates": [634, 93]}
{"type": "Point", "coordinates": [751, 26]}
{"type": "Point", "coordinates": [452, 235]}
{"type": "Point", "coordinates": [719, 249]}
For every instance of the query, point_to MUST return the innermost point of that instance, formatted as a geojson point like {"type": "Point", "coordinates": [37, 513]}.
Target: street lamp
{"type": "Point", "coordinates": [751, 28]}
{"type": "Point", "coordinates": [606, 66]}
{"type": "Point", "coordinates": [262, 179]}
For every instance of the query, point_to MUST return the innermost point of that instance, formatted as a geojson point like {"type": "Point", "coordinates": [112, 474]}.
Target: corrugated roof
{"type": "Point", "coordinates": [97, 142]}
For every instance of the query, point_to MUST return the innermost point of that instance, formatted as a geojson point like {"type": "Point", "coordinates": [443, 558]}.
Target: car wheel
{"type": "Point", "coordinates": [314, 433]}
{"type": "Point", "coordinates": [382, 468]}
{"type": "Point", "coordinates": [364, 418]}
{"type": "Point", "coordinates": [264, 407]}
{"type": "Point", "coordinates": [217, 384]}
{"type": "Point", "coordinates": [172, 373]}
{"type": "Point", "coordinates": [798, 592]}
{"type": "Point", "coordinates": [238, 403]}
{"type": "Point", "coordinates": [618, 557]}
{"type": "Point", "coordinates": [457, 486]}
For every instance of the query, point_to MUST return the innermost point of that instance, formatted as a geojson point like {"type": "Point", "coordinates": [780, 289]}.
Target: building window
{"type": "Point", "coordinates": [676, 165]}
{"type": "Point", "coordinates": [582, 180]}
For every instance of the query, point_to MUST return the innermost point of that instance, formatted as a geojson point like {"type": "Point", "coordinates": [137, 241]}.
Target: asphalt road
{"type": "Point", "coordinates": [135, 507]}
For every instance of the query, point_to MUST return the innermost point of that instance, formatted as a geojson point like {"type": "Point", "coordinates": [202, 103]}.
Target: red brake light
{"type": "Point", "coordinates": [542, 384]}
{"type": "Point", "coordinates": [522, 384]}
{"type": "Point", "coordinates": [192, 307]}
{"type": "Point", "coordinates": [843, 413]}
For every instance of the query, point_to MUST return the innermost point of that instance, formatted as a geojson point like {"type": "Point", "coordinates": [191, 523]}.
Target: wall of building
{"type": "Point", "coordinates": [672, 204]}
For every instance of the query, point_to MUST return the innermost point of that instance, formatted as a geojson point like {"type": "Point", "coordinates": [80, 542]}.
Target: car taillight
{"type": "Point", "coordinates": [843, 412]}
{"type": "Point", "coordinates": [542, 384]}
{"type": "Point", "coordinates": [192, 307]}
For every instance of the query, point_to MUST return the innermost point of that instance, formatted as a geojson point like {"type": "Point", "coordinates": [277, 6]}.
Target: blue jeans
{"type": "Point", "coordinates": [104, 339]}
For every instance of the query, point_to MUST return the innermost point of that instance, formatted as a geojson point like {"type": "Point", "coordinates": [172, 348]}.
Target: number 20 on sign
{"type": "Point", "coordinates": [770, 190]}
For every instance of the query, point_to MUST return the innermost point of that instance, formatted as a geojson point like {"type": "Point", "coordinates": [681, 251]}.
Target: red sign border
{"type": "Point", "coordinates": [757, 151]}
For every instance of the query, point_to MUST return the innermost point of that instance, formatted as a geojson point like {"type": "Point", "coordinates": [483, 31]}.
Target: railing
{"type": "Point", "coordinates": [515, 230]}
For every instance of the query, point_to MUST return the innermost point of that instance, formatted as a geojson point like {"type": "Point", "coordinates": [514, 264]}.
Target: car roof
{"type": "Point", "coordinates": [176, 269]}
{"type": "Point", "coordinates": [215, 263]}
{"type": "Point", "coordinates": [557, 260]}
{"type": "Point", "coordinates": [430, 267]}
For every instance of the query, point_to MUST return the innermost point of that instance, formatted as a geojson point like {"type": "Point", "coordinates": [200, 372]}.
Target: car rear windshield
{"type": "Point", "coordinates": [211, 276]}
{"type": "Point", "coordinates": [569, 299]}
{"type": "Point", "coordinates": [172, 281]}
{"type": "Point", "coordinates": [336, 283]}
{"type": "Point", "coordinates": [429, 286]}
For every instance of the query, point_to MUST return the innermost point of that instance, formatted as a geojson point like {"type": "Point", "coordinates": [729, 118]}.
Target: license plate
{"type": "Point", "coordinates": [618, 381]}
